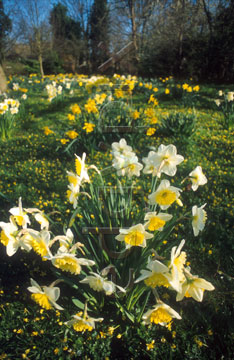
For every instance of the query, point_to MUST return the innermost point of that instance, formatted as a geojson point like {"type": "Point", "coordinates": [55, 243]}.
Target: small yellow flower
{"type": "Point", "coordinates": [167, 91]}
{"type": "Point", "coordinates": [64, 141]}
{"type": "Point", "coordinates": [150, 346]}
{"type": "Point", "coordinates": [47, 131]}
{"type": "Point", "coordinates": [150, 131]}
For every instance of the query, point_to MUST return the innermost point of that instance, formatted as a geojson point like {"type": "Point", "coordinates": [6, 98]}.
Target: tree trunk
{"type": "Point", "coordinates": [3, 80]}
{"type": "Point", "coordinates": [134, 29]}
{"type": "Point", "coordinates": [41, 65]}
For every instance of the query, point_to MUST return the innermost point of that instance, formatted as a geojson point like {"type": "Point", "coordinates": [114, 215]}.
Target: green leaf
{"type": "Point", "coordinates": [78, 303]}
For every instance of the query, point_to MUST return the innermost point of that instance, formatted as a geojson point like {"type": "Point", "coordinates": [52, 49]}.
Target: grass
{"type": "Point", "coordinates": [33, 166]}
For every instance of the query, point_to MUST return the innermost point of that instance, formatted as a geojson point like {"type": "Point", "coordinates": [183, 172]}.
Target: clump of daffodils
{"type": "Point", "coordinates": [53, 90]}
{"type": "Point", "coordinates": [129, 268]}
{"type": "Point", "coordinates": [10, 106]}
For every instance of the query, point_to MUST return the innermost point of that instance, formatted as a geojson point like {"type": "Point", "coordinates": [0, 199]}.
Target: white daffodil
{"type": "Point", "coordinates": [120, 147]}
{"type": "Point", "coordinates": [82, 322]}
{"type": "Point", "coordinates": [99, 283]}
{"type": "Point", "coordinates": [82, 168]}
{"type": "Point", "coordinates": [230, 96]}
{"type": "Point", "coordinates": [75, 180]}
{"type": "Point", "coordinates": [194, 287]}
{"type": "Point", "coordinates": [165, 195]}
{"type": "Point", "coordinates": [133, 167]}
{"type": "Point", "coordinates": [45, 296]}
{"type": "Point", "coordinates": [199, 219]}
{"type": "Point", "coordinates": [156, 221]}
{"type": "Point", "coordinates": [66, 241]}
{"type": "Point", "coordinates": [42, 220]}
{"type": "Point", "coordinates": [40, 243]}
{"type": "Point", "coordinates": [161, 314]}
{"type": "Point", "coordinates": [156, 275]}
{"type": "Point", "coordinates": [10, 237]}
{"type": "Point", "coordinates": [119, 163]}
{"type": "Point", "coordinates": [176, 265]}
{"type": "Point", "coordinates": [134, 236]}
{"type": "Point", "coordinates": [20, 215]}
{"type": "Point", "coordinates": [150, 166]}
{"type": "Point", "coordinates": [197, 177]}
{"type": "Point", "coordinates": [69, 262]}
{"type": "Point", "coordinates": [164, 161]}
{"type": "Point", "coordinates": [73, 194]}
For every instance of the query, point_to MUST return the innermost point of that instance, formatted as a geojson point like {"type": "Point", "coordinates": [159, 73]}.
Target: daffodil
{"type": "Point", "coordinates": [42, 220]}
{"type": "Point", "coordinates": [194, 287]}
{"type": "Point", "coordinates": [20, 215]}
{"type": "Point", "coordinates": [165, 195]}
{"type": "Point", "coordinates": [11, 238]}
{"type": "Point", "coordinates": [120, 147]}
{"type": "Point", "coordinates": [199, 217]}
{"type": "Point", "coordinates": [176, 265]}
{"type": "Point", "coordinates": [82, 322]}
{"type": "Point", "coordinates": [166, 159]}
{"type": "Point", "coordinates": [156, 275]}
{"type": "Point", "coordinates": [156, 221]}
{"type": "Point", "coordinates": [67, 261]}
{"type": "Point", "coordinates": [40, 242]}
{"type": "Point", "coordinates": [134, 236]}
{"type": "Point", "coordinates": [82, 168]}
{"type": "Point", "coordinates": [88, 127]}
{"type": "Point", "coordinates": [100, 283]}
{"type": "Point", "coordinates": [197, 178]}
{"type": "Point", "coordinates": [45, 296]}
{"type": "Point", "coordinates": [161, 314]}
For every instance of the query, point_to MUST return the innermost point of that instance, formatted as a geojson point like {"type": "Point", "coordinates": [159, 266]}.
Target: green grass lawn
{"type": "Point", "coordinates": [34, 165]}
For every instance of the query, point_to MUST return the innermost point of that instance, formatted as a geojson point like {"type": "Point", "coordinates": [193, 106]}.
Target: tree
{"type": "Point", "coordinates": [5, 27]}
{"type": "Point", "coordinates": [130, 21]}
{"type": "Point", "coordinates": [99, 32]}
{"type": "Point", "coordinates": [66, 34]}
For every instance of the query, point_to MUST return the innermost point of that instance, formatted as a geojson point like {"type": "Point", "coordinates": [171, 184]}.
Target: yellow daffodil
{"type": "Point", "coordinates": [90, 106]}
{"type": "Point", "coordinates": [88, 127]}
{"type": "Point", "coordinates": [71, 117]}
{"type": "Point", "coordinates": [72, 134]}
{"type": "Point", "coordinates": [76, 109]}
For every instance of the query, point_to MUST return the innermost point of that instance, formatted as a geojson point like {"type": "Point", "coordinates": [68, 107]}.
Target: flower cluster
{"type": "Point", "coordinates": [10, 105]}
{"type": "Point", "coordinates": [53, 90]}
